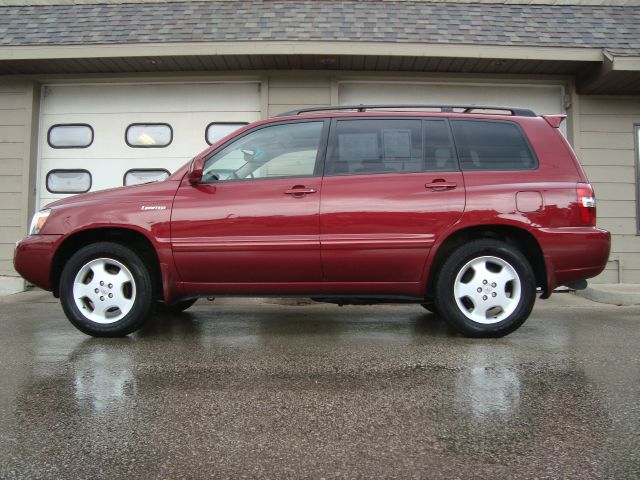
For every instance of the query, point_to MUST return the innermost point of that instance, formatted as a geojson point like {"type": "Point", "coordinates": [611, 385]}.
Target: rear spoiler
{"type": "Point", "coordinates": [554, 120]}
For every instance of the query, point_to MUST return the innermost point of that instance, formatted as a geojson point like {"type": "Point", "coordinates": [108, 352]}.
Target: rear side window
{"type": "Point", "coordinates": [376, 146]}
{"type": "Point", "coordinates": [492, 145]}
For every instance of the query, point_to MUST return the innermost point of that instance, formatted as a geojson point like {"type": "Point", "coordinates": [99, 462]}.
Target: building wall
{"type": "Point", "coordinates": [606, 149]}
{"type": "Point", "coordinates": [18, 117]}
{"type": "Point", "coordinates": [602, 129]}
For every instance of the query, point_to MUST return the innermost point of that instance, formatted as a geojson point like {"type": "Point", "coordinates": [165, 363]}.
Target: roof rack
{"type": "Point", "coordinates": [518, 112]}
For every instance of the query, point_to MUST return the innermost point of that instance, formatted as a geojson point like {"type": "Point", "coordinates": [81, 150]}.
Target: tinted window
{"type": "Point", "coordinates": [68, 181]}
{"type": "Point", "coordinates": [491, 145]}
{"type": "Point", "coordinates": [376, 146]}
{"type": "Point", "coordinates": [288, 150]}
{"type": "Point", "coordinates": [70, 136]}
{"type": "Point", "coordinates": [439, 153]}
{"type": "Point", "coordinates": [149, 135]}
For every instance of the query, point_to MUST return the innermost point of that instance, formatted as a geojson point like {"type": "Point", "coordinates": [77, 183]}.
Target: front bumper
{"type": "Point", "coordinates": [33, 258]}
{"type": "Point", "coordinates": [573, 253]}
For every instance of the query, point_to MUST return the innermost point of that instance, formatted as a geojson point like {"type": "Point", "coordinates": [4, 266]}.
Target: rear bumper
{"type": "Point", "coordinates": [573, 253]}
{"type": "Point", "coordinates": [33, 257]}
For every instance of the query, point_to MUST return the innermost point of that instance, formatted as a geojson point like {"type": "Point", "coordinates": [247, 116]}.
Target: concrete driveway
{"type": "Point", "coordinates": [243, 388]}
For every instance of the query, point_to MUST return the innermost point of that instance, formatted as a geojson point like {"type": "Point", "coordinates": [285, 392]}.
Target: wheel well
{"type": "Point", "coordinates": [515, 236]}
{"type": "Point", "coordinates": [132, 239]}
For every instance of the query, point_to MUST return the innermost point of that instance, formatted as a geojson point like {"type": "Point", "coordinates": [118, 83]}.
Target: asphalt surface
{"type": "Point", "coordinates": [247, 389]}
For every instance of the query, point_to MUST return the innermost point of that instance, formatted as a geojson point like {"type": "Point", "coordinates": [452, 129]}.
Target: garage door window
{"type": "Point", "coordinates": [492, 145]}
{"type": "Point", "coordinates": [70, 135]}
{"type": "Point", "coordinates": [68, 181]}
{"type": "Point", "coordinates": [135, 177]}
{"type": "Point", "coordinates": [217, 130]}
{"type": "Point", "coordinates": [149, 135]}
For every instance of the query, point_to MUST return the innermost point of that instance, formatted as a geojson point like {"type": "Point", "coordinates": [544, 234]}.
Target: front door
{"type": "Point", "coordinates": [254, 217]}
{"type": "Point", "coordinates": [391, 187]}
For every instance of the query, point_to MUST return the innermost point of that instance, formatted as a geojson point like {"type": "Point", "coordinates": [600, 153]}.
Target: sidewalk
{"type": "Point", "coordinates": [612, 293]}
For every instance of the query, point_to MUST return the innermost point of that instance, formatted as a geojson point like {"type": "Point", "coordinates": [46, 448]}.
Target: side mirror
{"type": "Point", "coordinates": [195, 173]}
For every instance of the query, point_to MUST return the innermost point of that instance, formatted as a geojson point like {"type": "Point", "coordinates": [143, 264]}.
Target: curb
{"type": "Point", "coordinates": [620, 298]}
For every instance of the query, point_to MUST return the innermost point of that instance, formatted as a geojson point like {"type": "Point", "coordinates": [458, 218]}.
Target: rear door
{"type": "Point", "coordinates": [391, 187]}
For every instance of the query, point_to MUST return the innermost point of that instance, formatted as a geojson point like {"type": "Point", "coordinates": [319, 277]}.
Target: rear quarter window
{"type": "Point", "coordinates": [492, 145]}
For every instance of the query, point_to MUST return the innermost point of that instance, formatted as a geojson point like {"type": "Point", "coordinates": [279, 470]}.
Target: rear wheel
{"type": "Point", "coordinates": [106, 290]}
{"type": "Point", "coordinates": [486, 288]}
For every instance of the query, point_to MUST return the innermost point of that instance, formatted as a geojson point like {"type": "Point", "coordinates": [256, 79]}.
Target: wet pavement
{"type": "Point", "coordinates": [245, 389]}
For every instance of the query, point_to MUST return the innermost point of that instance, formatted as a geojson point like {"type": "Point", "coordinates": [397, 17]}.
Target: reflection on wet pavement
{"type": "Point", "coordinates": [263, 390]}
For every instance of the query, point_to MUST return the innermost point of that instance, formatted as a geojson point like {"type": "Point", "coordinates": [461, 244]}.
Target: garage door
{"type": "Point", "coordinates": [542, 99]}
{"type": "Point", "coordinates": [94, 137]}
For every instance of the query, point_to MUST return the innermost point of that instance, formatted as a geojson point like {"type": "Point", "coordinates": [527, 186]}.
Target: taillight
{"type": "Point", "coordinates": [586, 204]}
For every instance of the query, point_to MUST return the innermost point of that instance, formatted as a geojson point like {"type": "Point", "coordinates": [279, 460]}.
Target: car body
{"type": "Point", "coordinates": [348, 204]}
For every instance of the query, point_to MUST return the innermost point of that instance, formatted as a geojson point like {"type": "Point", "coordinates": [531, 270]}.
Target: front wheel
{"type": "Point", "coordinates": [106, 290]}
{"type": "Point", "coordinates": [486, 288]}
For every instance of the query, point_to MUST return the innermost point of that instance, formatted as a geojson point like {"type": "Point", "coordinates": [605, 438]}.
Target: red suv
{"type": "Point", "coordinates": [466, 210]}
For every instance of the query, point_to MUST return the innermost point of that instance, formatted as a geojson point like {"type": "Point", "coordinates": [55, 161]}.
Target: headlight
{"type": "Point", "coordinates": [38, 221]}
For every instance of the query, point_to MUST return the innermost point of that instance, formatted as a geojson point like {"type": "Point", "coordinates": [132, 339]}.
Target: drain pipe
{"type": "Point", "coordinates": [619, 263]}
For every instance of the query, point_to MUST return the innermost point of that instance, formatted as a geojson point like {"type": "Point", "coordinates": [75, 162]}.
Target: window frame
{"type": "Point", "coordinates": [57, 170]}
{"type": "Point", "coordinates": [148, 124]}
{"type": "Point", "coordinates": [636, 151]}
{"type": "Point", "coordinates": [320, 155]}
{"type": "Point", "coordinates": [93, 135]}
{"type": "Point", "coordinates": [206, 129]}
{"type": "Point", "coordinates": [487, 120]}
{"type": "Point", "coordinates": [124, 177]}
{"type": "Point", "coordinates": [333, 144]}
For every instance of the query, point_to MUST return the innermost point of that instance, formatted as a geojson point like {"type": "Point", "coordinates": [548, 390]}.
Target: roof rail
{"type": "Point", "coordinates": [518, 112]}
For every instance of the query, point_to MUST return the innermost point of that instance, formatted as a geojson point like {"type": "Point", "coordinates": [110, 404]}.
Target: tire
{"type": "Point", "coordinates": [486, 288]}
{"type": "Point", "coordinates": [177, 307]}
{"type": "Point", "coordinates": [430, 307]}
{"type": "Point", "coordinates": [106, 290]}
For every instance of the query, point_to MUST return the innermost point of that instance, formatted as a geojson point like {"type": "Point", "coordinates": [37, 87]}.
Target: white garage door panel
{"type": "Point", "coordinates": [109, 131]}
{"type": "Point", "coordinates": [109, 110]}
{"type": "Point", "coordinates": [546, 99]}
{"type": "Point", "coordinates": [190, 97]}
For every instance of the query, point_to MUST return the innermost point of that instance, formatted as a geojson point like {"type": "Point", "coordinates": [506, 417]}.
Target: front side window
{"type": "Point", "coordinates": [70, 135]}
{"type": "Point", "coordinates": [149, 135]}
{"type": "Point", "coordinates": [376, 146]}
{"type": "Point", "coordinates": [492, 145]}
{"type": "Point", "coordinates": [288, 150]}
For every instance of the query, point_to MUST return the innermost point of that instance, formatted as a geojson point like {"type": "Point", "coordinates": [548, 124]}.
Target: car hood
{"type": "Point", "coordinates": [162, 190]}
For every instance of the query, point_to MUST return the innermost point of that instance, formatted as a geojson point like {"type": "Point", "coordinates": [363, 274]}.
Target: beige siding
{"type": "Point", "coordinates": [607, 151]}
{"type": "Point", "coordinates": [286, 93]}
{"type": "Point", "coordinates": [16, 127]}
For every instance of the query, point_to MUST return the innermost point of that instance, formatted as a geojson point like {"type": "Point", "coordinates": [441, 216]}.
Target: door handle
{"type": "Point", "coordinates": [299, 191]}
{"type": "Point", "coordinates": [440, 184]}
